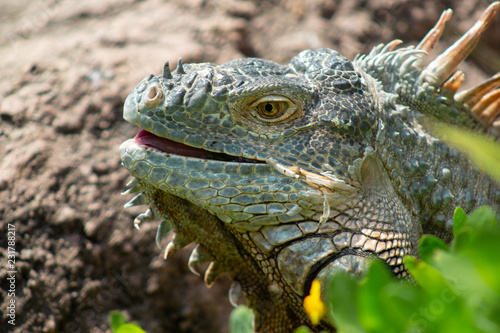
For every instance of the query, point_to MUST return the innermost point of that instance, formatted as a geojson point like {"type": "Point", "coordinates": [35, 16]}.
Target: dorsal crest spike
{"type": "Point", "coordinates": [431, 39]}
{"type": "Point", "coordinates": [473, 95]}
{"type": "Point", "coordinates": [437, 71]}
{"type": "Point", "coordinates": [166, 74]}
{"type": "Point", "coordinates": [179, 70]}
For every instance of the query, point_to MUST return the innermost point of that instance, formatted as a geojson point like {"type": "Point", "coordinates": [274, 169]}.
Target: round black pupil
{"type": "Point", "coordinates": [269, 107]}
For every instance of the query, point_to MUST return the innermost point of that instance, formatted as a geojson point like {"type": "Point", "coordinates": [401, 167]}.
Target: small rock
{"type": "Point", "coordinates": [65, 215]}
{"type": "Point", "coordinates": [101, 168]}
{"type": "Point", "coordinates": [68, 123]}
{"type": "Point", "coordinates": [50, 325]}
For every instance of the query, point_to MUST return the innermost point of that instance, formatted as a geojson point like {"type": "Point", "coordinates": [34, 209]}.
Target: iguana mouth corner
{"type": "Point", "coordinates": [285, 174]}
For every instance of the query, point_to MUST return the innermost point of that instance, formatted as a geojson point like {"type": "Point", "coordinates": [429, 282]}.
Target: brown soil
{"type": "Point", "coordinates": [66, 67]}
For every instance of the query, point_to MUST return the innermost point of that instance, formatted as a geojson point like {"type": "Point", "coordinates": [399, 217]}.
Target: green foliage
{"type": "Point", "coordinates": [119, 324]}
{"type": "Point", "coordinates": [482, 150]}
{"type": "Point", "coordinates": [457, 287]}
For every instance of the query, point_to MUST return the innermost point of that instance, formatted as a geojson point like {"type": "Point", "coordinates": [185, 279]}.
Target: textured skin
{"type": "Point", "coordinates": [300, 170]}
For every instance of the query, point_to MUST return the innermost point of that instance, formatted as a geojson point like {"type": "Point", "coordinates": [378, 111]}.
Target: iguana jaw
{"type": "Point", "coordinates": [150, 140]}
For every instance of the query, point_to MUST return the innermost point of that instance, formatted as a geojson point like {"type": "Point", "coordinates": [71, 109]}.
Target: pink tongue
{"type": "Point", "coordinates": [149, 139]}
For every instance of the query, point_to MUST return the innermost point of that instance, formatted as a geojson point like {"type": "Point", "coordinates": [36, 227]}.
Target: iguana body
{"type": "Point", "coordinates": [285, 174]}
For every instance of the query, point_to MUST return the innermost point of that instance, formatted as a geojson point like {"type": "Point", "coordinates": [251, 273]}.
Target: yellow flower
{"type": "Point", "coordinates": [313, 304]}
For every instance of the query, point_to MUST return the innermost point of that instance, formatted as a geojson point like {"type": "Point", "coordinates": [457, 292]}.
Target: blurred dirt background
{"type": "Point", "coordinates": [66, 67]}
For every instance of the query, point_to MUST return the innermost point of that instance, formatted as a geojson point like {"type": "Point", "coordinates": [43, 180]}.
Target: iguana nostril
{"type": "Point", "coordinates": [154, 96]}
{"type": "Point", "coordinates": [152, 92]}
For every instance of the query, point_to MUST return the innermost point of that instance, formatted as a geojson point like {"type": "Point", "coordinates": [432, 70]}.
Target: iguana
{"type": "Point", "coordinates": [284, 174]}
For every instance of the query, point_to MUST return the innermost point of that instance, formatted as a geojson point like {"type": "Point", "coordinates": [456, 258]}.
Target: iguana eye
{"type": "Point", "coordinates": [272, 108]}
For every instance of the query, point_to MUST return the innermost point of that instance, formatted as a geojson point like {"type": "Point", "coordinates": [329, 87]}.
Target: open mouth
{"type": "Point", "coordinates": [171, 147]}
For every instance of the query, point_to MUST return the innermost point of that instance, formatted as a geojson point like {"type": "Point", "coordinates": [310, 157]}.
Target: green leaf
{"type": "Point", "coordinates": [343, 310]}
{"type": "Point", "coordinates": [482, 150]}
{"type": "Point", "coordinates": [428, 245]}
{"type": "Point", "coordinates": [240, 320]}
{"type": "Point", "coordinates": [129, 328]}
{"type": "Point", "coordinates": [478, 301]}
{"type": "Point", "coordinates": [461, 240]}
{"type": "Point", "coordinates": [427, 276]}
{"type": "Point", "coordinates": [483, 218]}
{"type": "Point", "coordinates": [383, 299]}
{"type": "Point", "coordinates": [459, 220]}
{"type": "Point", "coordinates": [483, 246]}
{"type": "Point", "coordinates": [371, 295]}
{"type": "Point", "coordinates": [485, 253]}
{"type": "Point", "coordinates": [116, 319]}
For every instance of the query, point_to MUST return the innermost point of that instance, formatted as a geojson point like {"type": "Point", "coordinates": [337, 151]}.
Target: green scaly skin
{"type": "Point", "coordinates": [286, 173]}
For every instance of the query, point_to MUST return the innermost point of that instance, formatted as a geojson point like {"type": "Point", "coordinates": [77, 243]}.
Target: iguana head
{"type": "Point", "coordinates": [283, 156]}
{"type": "Point", "coordinates": [317, 113]}
{"type": "Point", "coordinates": [293, 163]}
